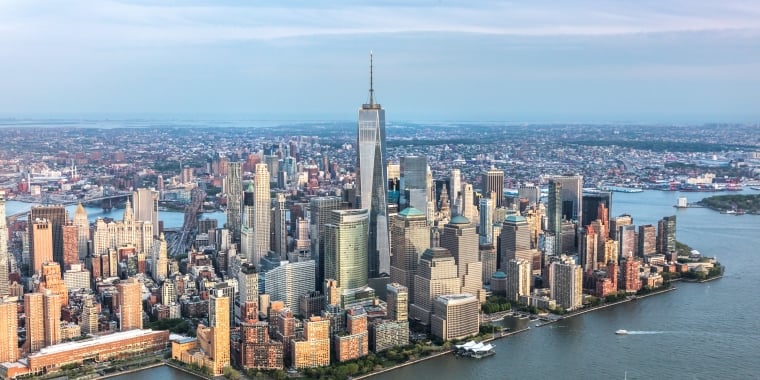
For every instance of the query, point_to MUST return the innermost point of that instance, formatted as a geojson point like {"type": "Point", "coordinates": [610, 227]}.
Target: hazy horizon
{"type": "Point", "coordinates": [672, 61]}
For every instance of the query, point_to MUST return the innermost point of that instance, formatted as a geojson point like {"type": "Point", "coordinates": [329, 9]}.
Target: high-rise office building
{"type": "Point", "coordinates": [145, 203]}
{"type": "Point", "coordinates": [616, 223]}
{"type": "Point", "coordinates": [320, 209]}
{"type": "Point", "coordinates": [436, 275]}
{"type": "Point", "coordinates": [554, 212]}
{"type": "Point", "coordinates": [34, 309]}
{"type": "Point", "coordinates": [519, 278]}
{"type": "Point", "coordinates": [468, 209]}
{"type": "Point", "coordinates": [666, 235]}
{"type": "Point", "coordinates": [398, 302]}
{"type": "Point", "coordinates": [373, 182]}
{"type": "Point", "coordinates": [8, 331]}
{"type": "Point", "coordinates": [130, 304]}
{"type": "Point", "coordinates": [455, 185]}
{"type": "Point", "coordinates": [461, 239]}
{"type": "Point", "coordinates": [247, 233]}
{"type": "Point", "coordinates": [56, 217]}
{"type": "Point", "coordinates": [529, 192]}
{"type": "Point", "coordinates": [233, 186]}
{"type": "Point", "coordinates": [410, 236]}
{"type": "Point", "coordinates": [572, 196]}
{"type": "Point", "coordinates": [4, 259]}
{"type": "Point", "coordinates": [414, 172]}
{"type": "Point", "coordinates": [280, 226]}
{"type": "Point", "coordinates": [485, 229]}
{"type": "Point", "coordinates": [289, 281]}
{"type": "Point", "coordinates": [346, 259]}
{"type": "Point", "coordinates": [515, 240]}
{"type": "Point", "coordinates": [41, 242]}
{"type": "Point", "coordinates": [590, 208]}
{"type": "Point", "coordinates": [493, 186]}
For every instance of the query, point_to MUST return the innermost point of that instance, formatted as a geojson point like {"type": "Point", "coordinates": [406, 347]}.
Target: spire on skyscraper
{"type": "Point", "coordinates": [371, 88]}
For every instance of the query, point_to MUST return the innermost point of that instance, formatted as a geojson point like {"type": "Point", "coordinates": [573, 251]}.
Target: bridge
{"type": "Point", "coordinates": [185, 237]}
{"type": "Point", "coordinates": [106, 202]}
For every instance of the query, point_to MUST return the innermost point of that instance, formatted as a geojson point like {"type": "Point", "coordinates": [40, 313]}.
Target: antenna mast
{"type": "Point", "coordinates": [371, 89]}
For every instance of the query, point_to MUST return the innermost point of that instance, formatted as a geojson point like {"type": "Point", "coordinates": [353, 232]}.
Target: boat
{"type": "Point", "coordinates": [474, 350]}
{"type": "Point", "coordinates": [755, 187]}
{"type": "Point", "coordinates": [621, 332]}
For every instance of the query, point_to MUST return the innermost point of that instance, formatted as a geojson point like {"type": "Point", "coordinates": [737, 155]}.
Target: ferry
{"type": "Point", "coordinates": [475, 350]}
{"type": "Point", "coordinates": [621, 332]}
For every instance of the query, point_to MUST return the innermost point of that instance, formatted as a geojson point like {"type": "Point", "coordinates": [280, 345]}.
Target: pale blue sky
{"type": "Point", "coordinates": [575, 61]}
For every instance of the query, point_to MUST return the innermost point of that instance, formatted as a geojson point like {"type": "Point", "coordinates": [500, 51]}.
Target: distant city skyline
{"type": "Point", "coordinates": [579, 61]}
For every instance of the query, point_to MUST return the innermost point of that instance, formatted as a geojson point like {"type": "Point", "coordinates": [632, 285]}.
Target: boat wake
{"type": "Point", "coordinates": [645, 332]}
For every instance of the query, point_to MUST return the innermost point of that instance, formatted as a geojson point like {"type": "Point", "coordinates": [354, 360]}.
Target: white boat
{"type": "Point", "coordinates": [621, 332]}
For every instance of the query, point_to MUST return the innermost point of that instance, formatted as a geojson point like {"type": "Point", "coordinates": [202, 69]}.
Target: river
{"type": "Point", "coordinates": [700, 331]}
{"type": "Point", "coordinates": [172, 219]}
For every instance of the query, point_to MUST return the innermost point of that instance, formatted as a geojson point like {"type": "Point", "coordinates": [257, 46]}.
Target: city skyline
{"type": "Point", "coordinates": [577, 62]}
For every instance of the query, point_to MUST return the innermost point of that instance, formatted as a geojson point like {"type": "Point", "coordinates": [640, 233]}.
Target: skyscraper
{"type": "Point", "coordinates": [346, 258]}
{"type": "Point", "coordinates": [289, 281]}
{"type": "Point", "coordinates": [515, 240]}
{"type": "Point", "coordinates": [666, 235]}
{"type": "Point", "coordinates": [51, 317]}
{"type": "Point", "coordinates": [280, 228]}
{"type": "Point", "coordinates": [398, 302]}
{"type": "Point", "coordinates": [320, 209]}
{"type": "Point", "coordinates": [555, 214]}
{"type": "Point", "coordinates": [70, 245]}
{"type": "Point", "coordinates": [410, 235]}
{"type": "Point", "coordinates": [130, 304]}
{"type": "Point", "coordinates": [160, 267]}
{"type": "Point", "coordinates": [518, 278]}
{"type": "Point", "coordinates": [234, 188]}
{"type": "Point", "coordinates": [436, 275]}
{"type": "Point", "coordinates": [455, 185]}
{"type": "Point", "coordinates": [461, 239]}
{"type": "Point", "coordinates": [56, 216]}
{"type": "Point", "coordinates": [372, 187]}
{"type": "Point", "coordinates": [572, 196]}
{"type": "Point", "coordinates": [567, 285]}
{"type": "Point", "coordinates": [247, 234]}
{"type": "Point", "coordinates": [83, 230]}
{"type": "Point", "coordinates": [262, 213]}
{"type": "Point", "coordinates": [41, 242]}
{"type": "Point", "coordinates": [485, 230]}
{"type": "Point", "coordinates": [493, 186]}
{"type": "Point", "coordinates": [468, 209]}
{"type": "Point", "coordinates": [145, 203]}
{"type": "Point", "coordinates": [3, 250]}
{"type": "Point", "coordinates": [219, 323]}
{"type": "Point", "coordinates": [647, 240]}
{"type": "Point", "coordinates": [590, 208]}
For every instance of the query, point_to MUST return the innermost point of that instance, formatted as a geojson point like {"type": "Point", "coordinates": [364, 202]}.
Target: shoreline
{"type": "Point", "coordinates": [494, 338]}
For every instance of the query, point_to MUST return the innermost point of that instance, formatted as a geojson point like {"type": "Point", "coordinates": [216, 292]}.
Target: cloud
{"type": "Point", "coordinates": [136, 24]}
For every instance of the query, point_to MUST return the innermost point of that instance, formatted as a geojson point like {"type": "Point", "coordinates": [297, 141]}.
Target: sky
{"type": "Point", "coordinates": [668, 61]}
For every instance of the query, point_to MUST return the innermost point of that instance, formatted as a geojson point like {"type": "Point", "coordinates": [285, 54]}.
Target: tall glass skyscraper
{"type": "Point", "coordinates": [373, 184]}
